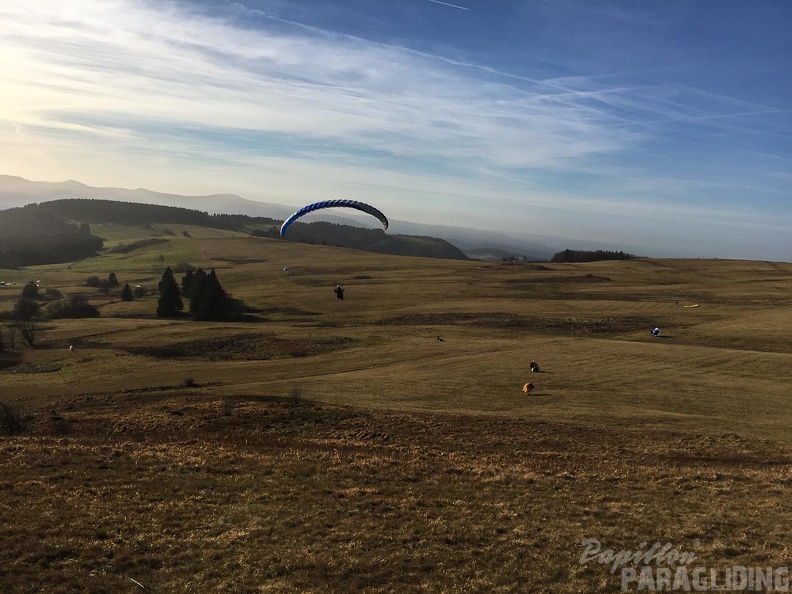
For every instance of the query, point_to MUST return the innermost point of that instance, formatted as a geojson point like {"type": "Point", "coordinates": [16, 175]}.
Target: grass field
{"type": "Point", "coordinates": [338, 446]}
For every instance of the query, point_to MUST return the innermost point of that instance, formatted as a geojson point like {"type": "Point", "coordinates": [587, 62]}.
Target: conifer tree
{"type": "Point", "coordinates": [170, 302]}
{"type": "Point", "coordinates": [197, 285]}
{"type": "Point", "coordinates": [187, 284]}
{"type": "Point", "coordinates": [209, 300]}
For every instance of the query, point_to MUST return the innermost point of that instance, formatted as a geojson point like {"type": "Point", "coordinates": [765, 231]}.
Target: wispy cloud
{"type": "Point", "coordinates": [321, 86]}
{"type": "Point", "coordinates": [168, 87]}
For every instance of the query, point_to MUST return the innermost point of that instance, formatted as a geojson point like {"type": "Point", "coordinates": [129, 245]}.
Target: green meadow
{"type": "Point", "coordinates": [325, 445]}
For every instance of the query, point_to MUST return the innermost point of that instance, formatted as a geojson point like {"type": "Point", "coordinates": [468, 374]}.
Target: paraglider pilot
{"type": "Point", "coordinates": [339, 291]}
{"type": "Point", "coordinates": [534, 366]}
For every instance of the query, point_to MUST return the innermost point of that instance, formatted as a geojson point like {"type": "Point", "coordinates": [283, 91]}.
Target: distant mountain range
{"type": "Point", "coordinates": [475, 243]}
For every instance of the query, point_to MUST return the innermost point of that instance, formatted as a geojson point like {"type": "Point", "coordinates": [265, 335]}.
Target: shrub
{"type": "Point", "coordinates": [75, 307]}
{"type": "Point", "coordinates": [51, 293]}
{"type": "Point", "coordinates": [60, 426]}
{"type": "Point", "coordinates": [295, 395]}
{"type": "Point", "coordinates": [12, 420]}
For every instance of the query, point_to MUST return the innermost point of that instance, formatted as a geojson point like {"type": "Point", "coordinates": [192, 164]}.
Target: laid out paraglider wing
{"type": "Point", "coordinates": [361, 206]}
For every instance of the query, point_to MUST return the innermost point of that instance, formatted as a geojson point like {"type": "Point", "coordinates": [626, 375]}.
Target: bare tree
{"type": "Point", "coordinates": [29, 330]}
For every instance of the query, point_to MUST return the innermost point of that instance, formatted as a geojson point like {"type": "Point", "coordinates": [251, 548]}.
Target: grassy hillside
{"type": "Point", "coordinates": [65, 230]}
{"type": "Point", "coordinates": [330, 445]}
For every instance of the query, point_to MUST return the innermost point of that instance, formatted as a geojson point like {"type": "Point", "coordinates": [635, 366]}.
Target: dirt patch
{"type": "Point", "coordinates": [572, 325]}
{"type": "Point", "coordinates": [242, 347]}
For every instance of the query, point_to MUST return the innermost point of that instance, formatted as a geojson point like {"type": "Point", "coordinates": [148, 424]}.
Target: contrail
{"type": "Point", "coordinates": [447, 4]}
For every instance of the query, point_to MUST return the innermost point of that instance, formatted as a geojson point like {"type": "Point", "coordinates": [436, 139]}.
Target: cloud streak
{"type": "Point", "coordinates": [168, 88]}
{"type": "Point", "coordinates": [447, 4]}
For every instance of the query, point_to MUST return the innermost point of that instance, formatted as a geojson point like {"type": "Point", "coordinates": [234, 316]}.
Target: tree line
{"type": "Point", "coordinates": [31, 235]}
{"type": "Point", "coordinates": [205, 299]}
{"type": "Point", "coordinates": [139, 214]}
{"type": "Point", "coordinates": [590, 256]}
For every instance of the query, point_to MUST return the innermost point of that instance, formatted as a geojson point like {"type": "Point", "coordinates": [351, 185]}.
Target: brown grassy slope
{"type": "Point", "coordinates": [181, 491]}
{"type": "Point", "coordinates": [410, 464]}
{"type": "Point", "coordinates": [587, 324]}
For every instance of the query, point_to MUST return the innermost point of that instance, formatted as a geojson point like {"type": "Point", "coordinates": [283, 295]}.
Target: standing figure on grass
{"type": "Point", "coordinates": [339, 291]}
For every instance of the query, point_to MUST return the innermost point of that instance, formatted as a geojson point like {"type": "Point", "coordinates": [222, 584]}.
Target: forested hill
{"type": "Point", "coordinates": [33, 235]}
{"type": "Point", "coordinates": [137, 214]}
{"type": "Point", "coordinates": [373, 240]}
{"type": "Point", "coordinates": [59, 231]}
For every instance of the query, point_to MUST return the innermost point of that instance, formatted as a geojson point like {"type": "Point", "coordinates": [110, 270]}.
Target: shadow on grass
{"type": "Point", "coordinates": [9, 359]}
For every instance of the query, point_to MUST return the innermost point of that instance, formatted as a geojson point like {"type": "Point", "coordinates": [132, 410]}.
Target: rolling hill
{"type": "Point", "coordinates": [50, 232]}
{"type": "Point", "coordinates": [322, 445]}
{"type": "Point", "coordinates": [16, 191]}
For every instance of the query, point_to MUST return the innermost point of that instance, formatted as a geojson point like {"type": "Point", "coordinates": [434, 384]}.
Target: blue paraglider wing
{"type": "Point", "coordinates": [361, 206]}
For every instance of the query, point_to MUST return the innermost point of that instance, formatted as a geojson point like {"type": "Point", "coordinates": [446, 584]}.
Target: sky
{"type": "Point", "coordinates": [664, 125]}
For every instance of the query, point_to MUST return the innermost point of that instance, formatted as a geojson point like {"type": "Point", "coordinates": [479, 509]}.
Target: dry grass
{"type": "Point", "coordinates": [170, 490]}
{"type": "Point", "coordinates": [407, 464]}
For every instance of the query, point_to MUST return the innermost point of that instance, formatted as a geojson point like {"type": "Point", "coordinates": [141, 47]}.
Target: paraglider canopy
{"type": "Point", "coordinates": [361, 206]}
{"type": "Point", "coordinates": [656, 332]}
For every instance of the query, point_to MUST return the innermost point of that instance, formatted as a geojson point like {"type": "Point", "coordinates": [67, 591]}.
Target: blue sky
{"type": "Point", "coordinates": [663, 125]}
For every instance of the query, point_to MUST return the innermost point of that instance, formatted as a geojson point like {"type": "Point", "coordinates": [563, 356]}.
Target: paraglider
{"type": "Point", "coordinates": [361, 206]}
{"type": "Point", "coordinates": [656, 332]}
{"type": "Point", "coordinates": [288, 269]}
{"type": "Point", "coordinates": [527, 388]}
{"type": "Point", "coordinates": [339, 291]}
